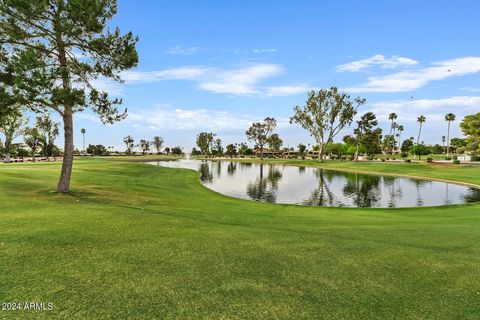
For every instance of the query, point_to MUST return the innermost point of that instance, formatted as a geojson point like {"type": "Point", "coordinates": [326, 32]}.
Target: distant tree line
{"type": "Point", "coordinates": [38, 140]}
{"type": "Point", "coordinates": [325, 114]}
{"type": "Point", "coordinates": [154, 146]}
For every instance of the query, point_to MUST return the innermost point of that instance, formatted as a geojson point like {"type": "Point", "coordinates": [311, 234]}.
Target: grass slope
{"type": "Point", "coordinates": [139, 241]}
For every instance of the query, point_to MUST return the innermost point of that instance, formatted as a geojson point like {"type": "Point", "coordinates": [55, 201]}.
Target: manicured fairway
{"type": "Point", "coordinates": [135, 241]}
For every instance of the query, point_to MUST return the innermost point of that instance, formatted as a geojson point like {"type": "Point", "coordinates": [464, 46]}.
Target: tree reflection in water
{"type": "Point", "coordinates": [364, 191]}
{"type": "Point", "coordinates": [231, 168]}
{"type": "Point", "coordinates": [322, 187]}
{"type": "Point", "coordinates": [219, 168]}
{"type": "Point", "coordinates": [394, 190]}
{"type": "Point", "coordinates": [473, 195]}
{"type": "Point", "coordinates": [265, 188]}
{"type": "Point", "coordinates": [322, 195]}
{"type": "Point", "coordinates": [447, 198]}
{"type": "Point", "coordinates": [205, 173]}
{"type": "Point", "coordinates": [418, 185]}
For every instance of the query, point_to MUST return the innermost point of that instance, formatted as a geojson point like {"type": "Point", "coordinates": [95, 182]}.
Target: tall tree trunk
{"type": "Point", "coordinates": [357, 152]}
{"type": "Point", "coordinates": [419, 132]}
{"type": "Point", "coordinates": [320, 152]}
{"type": "Point", "coordinates": [400, 140]}
{"type": "Point", "coordinates": [64, 183]}
{"type": "Point", "coordinates": [448, 139]}
{"type": "Point", "coordinates": [393, 141]}
{"type": "Point", "coordinates": [8, 145]}
{"type": "Point", "coordinates": [390, 136]}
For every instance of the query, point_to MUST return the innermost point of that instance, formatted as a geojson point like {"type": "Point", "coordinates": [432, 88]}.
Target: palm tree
{"type": "Point", "coordinates": [449, 117]}
{"type": "Point", "coordinates": [83, 131]}
{"type": "Point", "coordinates": [395, 126]}
{"type": "Point", "coordinates": [392, 116]}
{"type": "Point", "coordinates": [420, 120]}
{"type": "Point", "coordinates": [400, 130]}
{"type": "Point", "coordinates": [443, 142]}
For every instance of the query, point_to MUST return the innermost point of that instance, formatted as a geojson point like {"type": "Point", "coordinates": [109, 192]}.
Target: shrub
{"type": "Point", "coordinates": [383, 160]}
{"type": "Point", "coordinates": [475, 158]}
{"type": "Point", "coordinates": [404, 154]}
{"type": "Point", "coordinates": [351, 158]}
{"type": "Point", "coordinates": [419, 150]}
{"type": "Point", "coordinates": [429, 159]}
{"type": "Point", "coordinates": [407, 160]}
{"type": "Point", "coordinates": [448, 158]}
{"type": "Point", "coordinates": [456, 161]}
{"type": "Point", "coordinates": [455, 158]}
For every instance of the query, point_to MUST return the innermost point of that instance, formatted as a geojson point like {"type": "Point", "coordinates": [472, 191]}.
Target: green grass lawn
{"type": "Point", "coordinates": [135, 241]}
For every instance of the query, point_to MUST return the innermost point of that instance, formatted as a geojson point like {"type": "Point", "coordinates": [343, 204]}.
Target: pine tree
{"type": "Point", "coordinates": [53, 50]}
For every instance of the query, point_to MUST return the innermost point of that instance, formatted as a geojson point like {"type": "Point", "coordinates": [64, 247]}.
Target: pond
{"type": "Point", "coordinates": [320, 187]}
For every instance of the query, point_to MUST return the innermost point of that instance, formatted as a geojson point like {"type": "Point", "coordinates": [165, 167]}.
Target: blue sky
{"type": "Point", "coordinates": [219, 65]}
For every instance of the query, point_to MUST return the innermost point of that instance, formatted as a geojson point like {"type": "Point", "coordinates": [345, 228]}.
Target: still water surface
{"type": "Point", "coordinates": [320, 187]}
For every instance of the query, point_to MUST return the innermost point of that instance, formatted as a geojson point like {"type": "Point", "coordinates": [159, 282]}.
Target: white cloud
{"type": "Point", "coordinates": [270, 50]}
{"type": "Point", "coordinates": [472, 89]}
{"type": "Point", "coordinates": [245, 80]}
{"type": "Point", "coordinates": [182, 73]}
{"type": "Point", "coordinates": [434, 111]}
{"type": "Point", "coordinates": [239, 81]}
{"type": "Point", "coordinates": [414, 79]}
{"type": "Point", "coordinates": [435, 108]}
{"type": "Point", "coordinates": [183, 51]}
{"type": "Point", "coordinates": [246, 52]}
{"type": "Point", "coordinates": [168, 117]}
{"type": "Point", "coordinates": [379, 60]}
{"type": "Point", "coordinates": [136, 77]}
{"type": "Point", "coordinates": [286, 90]}
{"type": "Point", "coordinates": [87, 116]}
{"type": "Point", "coordinates": [103, 84]}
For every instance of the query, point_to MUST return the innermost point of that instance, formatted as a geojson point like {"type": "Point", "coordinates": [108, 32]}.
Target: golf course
{"type": "Point", "coordinates": [136, 241]}
{"type": "Point", "coordinates": [237, 160]}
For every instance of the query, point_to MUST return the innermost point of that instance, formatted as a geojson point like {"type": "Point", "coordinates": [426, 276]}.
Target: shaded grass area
{"type": "Point", "coordinates": [139, 241]}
